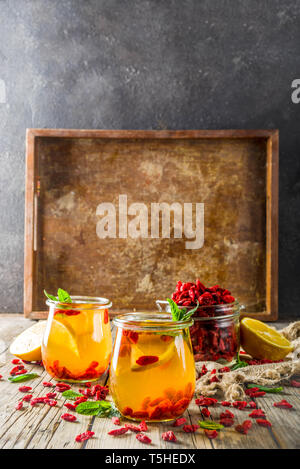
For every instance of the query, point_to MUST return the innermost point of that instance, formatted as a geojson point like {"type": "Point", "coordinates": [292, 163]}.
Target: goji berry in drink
{"type": "Point", "coordinates": [205, 412]}
{"type": "Point", "coordinates": [147, 360]}
{"type": "Point", "coordinates": [143, 438]}
{"type": "Point", "coordinates": [169, 436]}
{"type": "Point", "coordinates": [70, 406]}
{"type": "Point", "coordinates": [179, 422]}
{"type": "Point", "coordinates": [156, 401]}
{"type": "Point", "coordinates": [48, 385]}
{"type": "Point", "coordinates": [68, 417]}
{"type": "Point", "coordinates": [19, 406]}
{"type": "Point", "coordinates": [84, 436]}
{"type": "Point", "coordinates": [25, 388]}
{"type": "Point", "coordinates": [27, 398]}
{"type": "Point", "coordinates": [257, 413]}
{"type": "Point", "coordinates": [105, 316]}
{"type": "Point", "coordinates": [118, 431]}
{"type": "Point", "coordinates": [264, 422]}
{"type": "Point", "coordinates": [283, 404]}
{"type": "Point", "coordinates": [143, 426]}
{"type": "Point", "coordinates": [116, 421]}
{"type": "Point", "coordinates": [140, 414]}
{"type": "Point", "coordinates": [190, 428]}
{"type": "Point", "coordinates": [211, 434]}
{"type": "Point", "coordinates": [180, 406]}
{"type": "Point", "coordinates": [127, 411]}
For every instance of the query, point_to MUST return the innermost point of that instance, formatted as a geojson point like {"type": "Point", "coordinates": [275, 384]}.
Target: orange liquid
{"type": "Point", "coordinates": [77, 347]}
{"type": "Point", "coordinates": [157, 391]}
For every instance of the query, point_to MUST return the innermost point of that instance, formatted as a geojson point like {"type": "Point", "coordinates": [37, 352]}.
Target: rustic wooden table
{"type": "Point", "coordinates": [41, 426]}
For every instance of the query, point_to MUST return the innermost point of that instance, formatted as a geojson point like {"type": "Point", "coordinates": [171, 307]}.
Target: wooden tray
{"type": "Point", "coordinates": [234, 173]}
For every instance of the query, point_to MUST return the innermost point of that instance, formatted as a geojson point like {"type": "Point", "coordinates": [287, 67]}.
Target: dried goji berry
{"type": "Point", "coordinates": [190, 428]}
{"type": "Point", "coordinates": [116, 421]}
{"type": "Point", "coordinates": [70, 406]}
{"type": "Point", "coordinates": [179, 422]}
{"type": "Point", "coordinates": [127, 411]}
{"type": "Point", "coordinates": [143, 426]}
{"type": "Point", "coordinates": [244, 427]}
{"type": "Point", "coordinates": [1, 376]}
{"type": "Point", "coordinates": [84, 436]}
{"type": "Point", "coordinates": [118, 431]}
{"type": "Point", "coordinates": [257, 413]}
{"type": "Point", "coordinates": [68, 417]}
{"type": "Point", "coordinates": [143, 438]}
{"type": "Point", "coordinates": [15, 361]}
{"type": "Point", "coordinates": [206, 401]}
{"type": "Point", "coordinates": [25, 388]}
{"type": "Point", "coordinates": [225, 369]}
{"type": "Point", "coordinates": [252, 405]}
{"type": "Point", "coordinates": [48, 385]}
{"type": "Point", "coordinates": [51, 395]}
{"type": "Point", "coordinates": [264, 422]}
{"type": "Point", "coordinates": [239, 404]}
{"type": "Point", "coordinates": [211, 434]}
{"type": "Point", "coordinates": [80, 400]}
{"type": "Point", "coordinates": [19, 406]}
{"type": "Point", "coordinates": [227, 414]}
{"type": "Point", "coordinates": [283, 404]}
{"type": "Point", "coordinates": [140, 414]}
{"type": "Point", "coordinates": [27, 398]}
{"type": "Point", "coordinates": [257, 393]}
{"type": "Point", "coordinates": [205, 412]}
{"type": "Point", "coordinates": [147, 360]}
{"type": "Point", "coordinates": [133, 428]}
{"type": "Point", "coordinates": [106, 316]}
{"type": "Point", "coordinates": [226, 403]}
{"type": "Point", "coordinates": [169, 436]}
{"type": "Point", "coordinates": [295, 383]}
{"type": "Point", "coordinates": [51, 402]}
{"type": "Point", "coordinates": [226, 421]}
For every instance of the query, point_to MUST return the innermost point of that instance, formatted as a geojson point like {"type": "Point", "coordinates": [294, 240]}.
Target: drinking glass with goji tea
{"type": "Point", "coordinates": [77, 342]}
{"type": "Point", "coordinates": [152, 373]}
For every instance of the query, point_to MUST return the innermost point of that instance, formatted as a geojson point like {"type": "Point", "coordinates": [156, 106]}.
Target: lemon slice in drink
{"type": "Point", "coordinates": [141, 361]}
{"type": "Point", "coordinates": [63, 336]}
{"type": "Point", "coordinates": [27, 345]}
{"type": "Point", "coordinates": [263, 342]}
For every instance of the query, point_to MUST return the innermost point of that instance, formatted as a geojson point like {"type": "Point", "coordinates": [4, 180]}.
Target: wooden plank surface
{"type": "Point", "coordinates": [42, 427]}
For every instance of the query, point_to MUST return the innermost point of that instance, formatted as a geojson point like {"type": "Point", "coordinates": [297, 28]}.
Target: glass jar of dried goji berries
{"type": "Point", "coordinates": [152, 372]}
{"type": "Point", "coordinates": [77, 342]}
{"type": "Point", "coordinates": [215, 334]}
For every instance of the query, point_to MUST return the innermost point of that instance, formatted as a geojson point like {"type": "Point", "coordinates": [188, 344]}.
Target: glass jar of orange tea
{"type": "Point", "coordinates": [152, 373]}
{"type": "Point", "coordinates": [77, 342]}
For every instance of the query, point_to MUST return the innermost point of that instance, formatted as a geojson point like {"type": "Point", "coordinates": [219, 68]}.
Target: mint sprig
{"type": "Point", "coordinates": [238, 363]}
{"type": "Point", "coordinates": [24, 377]}
{"type": "Point", "coordinates": [181, 314]}
{"type": "Point", "coordinates": [72, 395]}
{"type": "Point", "coordinates": [98, 408]}
{"type": "Point", "coordinates": [62, 296]}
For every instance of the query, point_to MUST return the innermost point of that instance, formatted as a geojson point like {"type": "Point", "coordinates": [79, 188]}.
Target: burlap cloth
{"type": "Point", "coordinates": [230, 384]}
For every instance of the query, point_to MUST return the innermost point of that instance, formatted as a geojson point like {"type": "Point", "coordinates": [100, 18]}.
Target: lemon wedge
{"type": "Point", "coordinates": [137, 353]}
{"type": "Point", "coordinates": [263, 342]}
{"type": "Point", "coordinates": [27, 345]}
{"type": "Point", "coordinates": [62, 336]}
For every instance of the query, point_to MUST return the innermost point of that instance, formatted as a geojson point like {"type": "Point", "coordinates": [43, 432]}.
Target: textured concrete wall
{"type": "Point", "coordinates": [121, 64]}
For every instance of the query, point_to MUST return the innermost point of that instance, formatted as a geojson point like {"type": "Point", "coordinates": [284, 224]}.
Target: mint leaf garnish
{"type": "Point", "coordinates": [98, 408]}
{"type": "Point", "coordinates": [72, 395]}
{"type": "Point", "coordinates": [181, 314]}
{"type": "Point", "coordinates": [24, 377]}
{"type": "Point", "coordinates": [63, 296]}
{"type": "Point", "coordinates": [51, 297]}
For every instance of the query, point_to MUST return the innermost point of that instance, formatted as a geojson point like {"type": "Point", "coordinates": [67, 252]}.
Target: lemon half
{"type": "Point", "coordinates": [263, 342]}
{"type": "Point", "coordinates": [27, 345]}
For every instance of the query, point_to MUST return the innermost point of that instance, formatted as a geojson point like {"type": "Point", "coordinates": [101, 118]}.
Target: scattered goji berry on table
{"type": "Point", "coordinates": [27, 398]}
{"type": "Point", "coordinates": [295, 384]}
{"type": "Point", "coordinates": [116, 421]}
{"type": "Point", "coordinates": [227, 421]}
{"type": "Point", "coordinates": [143, 438]}
{"type": "Point", "coordinates": [256, 413]}
{"type": "Point", "coordinates": [51, 395]}
{"type": "Point", "coordinates": [205, 412]}
{"type": "Point", "coordinates": [257, 394]}
{"type": "Point", "coordinates": [244, 427]}
{"type": "Point", "coordinates": [239, 404]}
{"type": "Point", "coordinates": [50, 402]}
{"type": "Point", "coordinates": [68, 417]}
{"type": "Point", "coordinates": [61, 387]}
{"type": "Point", "coordinates": [264, 422]}
{"type": "Point", "coordinates": [118, 431]}
{"type": "Point", "coordinates": [1, 376]}
{"type": "Point", "coordinates": [226, 414]}
{"type": "Point", "coordinates": [19, 406]}
{"type": "Point", "coordinates": [211, 434]}
{"type": "Point", "coordinates": [252, 405]}
{"type": "Point", "coordinates": [48, 385]}
{"type": "Point", "coordinates": [143, 426]}
{"type": "Point", "coordinates": [70, 406]}
{"type": "Point", "coordinates": [25, 388]}
{"type": "Point", "coordinates": [225, 369]}
{"type": "Point", "coordinates": [15, 361]}
{"type": "Point", "coordinates": [88, 385]}
{"type": "Point", "coordinates": [133, 428]}
{"type": "Point", "coordinates": [169, 436]}
{"type": "Point", "coordinates": [226, 403]}
{"type": "Point", "coordinates": [190, 428]}
{"type": "Point", "coordinates": [214, 379]}
{"type": "Point", "coordinates": [205, 401]}
{"type": "Point", "coordinates": [84, 436]}
{"type": "Point", "coordinates": [179, 422]}
{"type": "Point", "coordinates": [283, 404]}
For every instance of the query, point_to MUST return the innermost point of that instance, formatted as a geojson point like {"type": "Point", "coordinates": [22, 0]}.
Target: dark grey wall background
{"type": "Point", "coordinates": [122, 64]}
